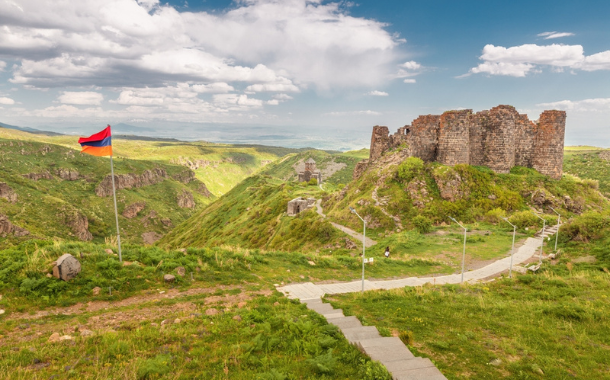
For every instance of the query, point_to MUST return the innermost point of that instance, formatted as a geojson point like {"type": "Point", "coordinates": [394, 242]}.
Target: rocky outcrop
{"type": "Point", "coordinates": [418, 191]}
{"type": "Point", "coordinates": [186, 200]}
{"type": "Point", "coordinates": [203, 190]}
{"type": "Point", "coordinates": [8, 228]}
{"type": "Point", "coordinates": [150, 237]}
{"type": "Point", "coordinates": [380, 142]}
{"type": "Point", "coordinates": [7, 193]}
{"type": "Point", "coordinates": [68, 174]}
{"type": "Point", "coordinates": [185, 177]}
{"type": "Point", "coordinates": [79, 225]}
{"type": "Point", "coordinates": [130, 181]}
{"type": "Point", "coordinates": [576, 205]}
{"type": "Point", "coordinates": [449, 183]}
{"type": "Point", "coordinates": [360, 168]}
{"type": "Point", "coordinates": [605, 155]}
{"type": "Point", "coordinates": [133, 209]}
{"type": "Point", "coordinates": [38, 176]}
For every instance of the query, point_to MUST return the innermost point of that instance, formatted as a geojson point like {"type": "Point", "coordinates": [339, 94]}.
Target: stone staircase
{"type": "Point", "coordinates": [548, 231]}
{"type": "Point", "coordinates": [389, 351]}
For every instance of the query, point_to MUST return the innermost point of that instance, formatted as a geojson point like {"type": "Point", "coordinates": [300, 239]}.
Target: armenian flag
{"type": "Point", "coordinates": [99, 144]}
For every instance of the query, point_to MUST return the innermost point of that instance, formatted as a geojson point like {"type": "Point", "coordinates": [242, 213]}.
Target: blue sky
{"type": "Point", "coordinates": [297, 72]}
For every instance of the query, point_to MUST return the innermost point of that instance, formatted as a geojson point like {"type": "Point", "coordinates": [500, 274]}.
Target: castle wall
{"type": "Point", "coordinates": [524, 141]}
{"type": "Point", "coordinates": [478, 125]}
{"type": "Point", "coordinates": [380, 142]}
{"type": "Point", "coordinates": [500, 139]}
{"type": "Point", "coordinates": [454, 138]}
{"type": "Point", "coordinates": [548, 145]}
{"type": "Point", "coordinates": [423, 137]}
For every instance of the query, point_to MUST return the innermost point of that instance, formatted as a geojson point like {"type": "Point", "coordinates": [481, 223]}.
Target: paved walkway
{"type": "Point", "coordinates": [391, 352]}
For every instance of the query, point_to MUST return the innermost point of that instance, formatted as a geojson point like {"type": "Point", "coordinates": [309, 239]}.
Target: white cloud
{"type": "Point", "coordinates": [409, 80]}
{"type": "Point", "coordinates": [235, 101]}
{"type": "Point", "coordinates": [348, 113]}
{"type": "Point", "coordinates": [411, 65]}
{"type": "Point", "coordinates": [378, 93]}
{"type": "Point", "coordinates": [273, 102]}
{"type": "Point", "coordinates": [282, 96]}
{"type": "Point", "coordinates": [552, 35]}
{"type": "Point", "coordinates": [272, 87]}
{"type": "Point", "coordinates": [2, 65]}
{"type": "Point", "coordinates": [586, 105]}
{"type": "Point", "coordinates": [518, 61]}
{"type": "Point", "coordinates": [6, 101]}
{"type": "Point", "coordinates": [146, 43]}
{"type": "Point", "coordinates": [212, 88]}
{"type": "Point", "coordinates": [82, 98]}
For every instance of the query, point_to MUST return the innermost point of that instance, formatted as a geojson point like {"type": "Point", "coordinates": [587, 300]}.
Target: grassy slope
{"type": "Point", "coordinates": [43, 205]}
{"type": "Point", "coordinates": [585, 162]}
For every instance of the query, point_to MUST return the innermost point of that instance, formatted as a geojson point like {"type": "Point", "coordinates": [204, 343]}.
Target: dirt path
{"type": "Point", "coordinates": [368, 242]}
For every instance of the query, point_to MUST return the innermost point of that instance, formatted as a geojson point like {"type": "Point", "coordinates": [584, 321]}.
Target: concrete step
{"type": "Point", "coordinates": [355, 334]}
{"type": "Point", "coordinates": [407, 365]}
{"type": "Point", "coordinates": [389, 354]}
{"type": "Point", "coordinates": [320, 308]}
{"type": "Point", "coordinates": [312, 301]}
{"type": "Point", "coordinates": [335, 313]}
{"type": "Point", "coordinates": [429, 373]}
{"type": "Point", "coordinates": [345, 322]}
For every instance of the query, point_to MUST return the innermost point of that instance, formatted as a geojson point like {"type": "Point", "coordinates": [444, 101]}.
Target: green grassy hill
{"type": "Point", "coordinates": [590, 163]}
{"type": "Point", "coordinates": [51, 192]}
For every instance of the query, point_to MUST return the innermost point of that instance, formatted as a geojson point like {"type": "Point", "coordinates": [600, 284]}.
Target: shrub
{"type": "Point", "coordinates": [587, 226]}
{"type": "Point", "coordinates": [524, 219]}
{"type": "Point", "coordinates": [313, 182]}
{"type": "Point", "coordinates": [406, 337]}
{"type": "Point", "coordinates": [422, 224]}
{"type": "Point", "coordinates": [154, 367]}
{"type": "Point", "coordinates": [495, 215]}
{"type": "Point", "coordinates": [410, 168]}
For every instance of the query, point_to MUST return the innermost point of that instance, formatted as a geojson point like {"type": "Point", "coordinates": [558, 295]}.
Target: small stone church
{"type": "Point", "coordinates": [310, 172]}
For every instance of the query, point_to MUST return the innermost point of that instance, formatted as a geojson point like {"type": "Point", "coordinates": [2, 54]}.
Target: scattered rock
{"type": "Point", "coordinates": [186, 200]}
{"type": "Point", "coordinates": [418, 191]}
{"type": "Point", "coordinates": [242, 304]}
{"type": "Point", "coordinates": [167, 222]}
{"type": "Point", "coordinates": [211, 311]}
{"type": "Point", "coordinates": [53, 338]}
{"type": "Point", "coordinates": [150, 238]}
{"type": "Point", "coordinates": [109, 251]}
{"type": "Point", "coordinates": [350, 244]}
{"type": "Point", "coordinates": [276, 303]}
{"type": "Point", "coordinates": [79, 225]}
{"type": "Point", "coordinates": [85, 332]}
{"type": "Point", "coordinates": [311, 263]}
{"type": "Point", "coordinates": [6, 228]}
{"type": "Point", "coordinates": [129, 181]}
{"type": "Point", "coordinates": [67, 267]}
{"type": "Point", "coordinates": [38, 176]}
{"type": "Point", "coordinates": [133, 209]}
{"type": "Point", "coordinates": [177, 321]}
{"type": "Point", "coordinates": [493, 198]}
{"type": "Point", "coordinates": [237, 318]}
{"type": "Point", "coordinates": [576, 206]}
{"type": "Point", "coordinates": [68, 174]}
{"type": "Point", "coordinates": [169, 278]}
{"type": "Point", "coordinates": [164, 322]}
{"type": "Point", "coordinates": [495, 362]}
{"type": "Point", "coordinates": [7, 193]}
{"type": "Point", "coordinates": [181, 271]}
{"type": "Point", "coordinates": [2, 311]}
{"type": "Point", "coordinates": [96, 291]}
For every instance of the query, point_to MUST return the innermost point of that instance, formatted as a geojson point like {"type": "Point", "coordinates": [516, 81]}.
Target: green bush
{"type": "Point", "coordinates": [422, 224]}
{"type": "Point", "coordinates": [495, 215]}
{"type": "Point", "coordinates": [410, 168]}
{"type": "Point", "coordinates": [587, 226]}
{"type": "Point", "coordinates": [313, 182]}
{"type": "Point", "coordinates": [154, 368]}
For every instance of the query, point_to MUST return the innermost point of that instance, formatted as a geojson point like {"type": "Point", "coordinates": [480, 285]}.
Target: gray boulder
{"type": "Point", "coordinates": [67, 267]}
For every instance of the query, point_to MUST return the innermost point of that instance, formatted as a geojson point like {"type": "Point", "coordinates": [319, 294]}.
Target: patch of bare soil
{"type": "Point", "coordinates": [149, 296]}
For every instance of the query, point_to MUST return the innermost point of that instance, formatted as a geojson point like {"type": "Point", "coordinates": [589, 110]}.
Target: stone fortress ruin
{"type": "Point", "coordinates": [499, 138]}
{"type": "Point", "coordinates": [310, 172]}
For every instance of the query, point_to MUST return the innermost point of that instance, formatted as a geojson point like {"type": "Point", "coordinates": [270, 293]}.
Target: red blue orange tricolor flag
{"type": "Point", "coordinates": [99, 144]}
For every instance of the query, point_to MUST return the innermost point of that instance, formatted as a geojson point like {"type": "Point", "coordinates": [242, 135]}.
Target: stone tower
{"type": "Point", "coordinates": [547, 155]}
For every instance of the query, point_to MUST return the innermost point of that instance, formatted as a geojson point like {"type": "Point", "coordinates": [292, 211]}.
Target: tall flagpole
{"type": "Point", "coordinates": [116, 214]}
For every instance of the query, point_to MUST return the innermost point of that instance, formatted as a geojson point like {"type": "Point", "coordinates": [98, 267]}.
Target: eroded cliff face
{"type": "Point", "coordinates": [8, 228]}
{"type": "Point", "coordinates": [79, 225]}
{"type": "Point", "coordinates": [7, 193]}
{"type": "Point", "coordinates": [186, 200]}
{"type": "Point", "coordinates": [499, 138]}
{"type": "Point", "coordinates": [130, 181]}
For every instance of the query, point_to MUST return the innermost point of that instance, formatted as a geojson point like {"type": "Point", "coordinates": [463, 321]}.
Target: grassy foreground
{"type": "Point", "coordinates": [532, 327]}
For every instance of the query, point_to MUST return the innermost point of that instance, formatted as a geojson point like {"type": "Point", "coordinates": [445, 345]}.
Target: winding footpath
{"type": "Point", "coordinates": [391, 351]}
{"type": "Point", "coordinates": [368, 242]}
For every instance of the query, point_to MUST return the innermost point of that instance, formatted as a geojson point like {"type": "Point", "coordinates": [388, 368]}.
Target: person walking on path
{"type": "Point", "coordinates": [387, 252]}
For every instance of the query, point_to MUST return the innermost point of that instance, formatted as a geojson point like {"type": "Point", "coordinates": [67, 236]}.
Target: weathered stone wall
{"type": "Point", "coordinates": [524, 141]}
{"type": "Point", "coordinates": [380, 142]}
{"type": "Point", "coordinates": [478, 125]}
{"type": "Point", "coordinates": [548, 145]}
{"type": "Point", "coordinates": [423, 137]}
{"type": "Point", "coordinates": [454, 138]}
{"type": "Point", "coordinates": [499, 138]}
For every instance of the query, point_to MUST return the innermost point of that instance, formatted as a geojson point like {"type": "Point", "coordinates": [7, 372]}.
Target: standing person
{"type": "Point", "coordinates": [387, 252]}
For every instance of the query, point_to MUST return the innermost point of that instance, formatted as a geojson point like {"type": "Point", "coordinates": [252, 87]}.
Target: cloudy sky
{"type": "Point", "coordinates": [298, 72]}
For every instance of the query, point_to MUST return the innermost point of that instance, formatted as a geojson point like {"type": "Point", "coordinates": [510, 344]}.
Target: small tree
{"type": "Point", "coordinates": [422, 224]}
{"type": "Point", "coordinates": [313, 182]}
